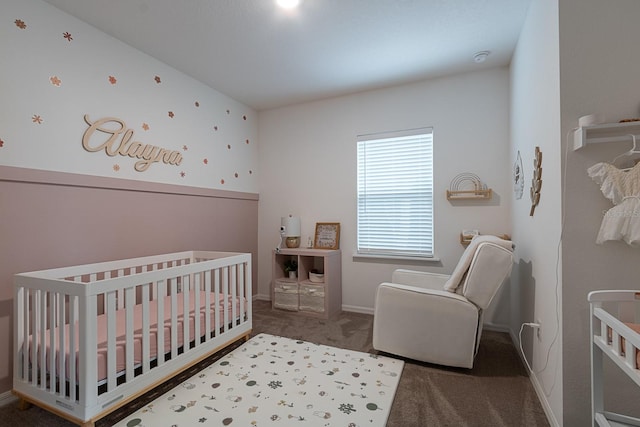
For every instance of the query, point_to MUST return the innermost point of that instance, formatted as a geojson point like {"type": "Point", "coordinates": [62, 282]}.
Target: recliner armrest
{"type": "Point", "coordinates": [431, 325]}
{"type": "Point", "coordinates": [420, 292]}
{"type": "Point", "coordinates": [421, 279]}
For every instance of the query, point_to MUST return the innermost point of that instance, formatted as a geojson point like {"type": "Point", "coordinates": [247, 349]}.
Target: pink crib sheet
{"type": "Point", "coordinates": [153, 331]}
{"type": "Point", "coordinates": [636, 328]}
{"type": "Point", "coordinates": [622, 347]}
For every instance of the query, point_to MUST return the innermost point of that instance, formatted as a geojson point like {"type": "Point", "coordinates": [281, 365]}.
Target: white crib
{"type": "Point", "coordinates": [618, 337]}
{"type": "Point", "coordinates": [133, 323]}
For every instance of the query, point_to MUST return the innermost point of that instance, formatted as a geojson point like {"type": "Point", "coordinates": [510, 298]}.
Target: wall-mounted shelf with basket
{"type": "Point", "coordinates": [468, 186]}
{"type": "Point", "coordinates": [607, 132]}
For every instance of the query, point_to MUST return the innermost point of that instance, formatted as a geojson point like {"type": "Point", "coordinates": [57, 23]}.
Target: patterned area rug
{"type": "Point", "coordinates": [276, 381]}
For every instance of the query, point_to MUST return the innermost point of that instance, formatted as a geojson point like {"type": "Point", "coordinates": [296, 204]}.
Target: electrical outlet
{"type": "Point", "coordinates": [539, 330]}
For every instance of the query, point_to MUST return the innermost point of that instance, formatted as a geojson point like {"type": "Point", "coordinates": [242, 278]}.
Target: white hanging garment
{"type": "Point", "coordinates": [622, 187]}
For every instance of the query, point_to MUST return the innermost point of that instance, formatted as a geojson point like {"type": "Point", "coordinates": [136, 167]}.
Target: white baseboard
{"type": "Point", "coordinates": [7, 397]}
{"type": "Point", "coordinates": [369, 310]}
{"type": "Point", "coordinates": [496, 328]}
{"type": "Point", "coordinates": [357, 309]}
{"type": "Point", "coordinates": [351, 308]}
{"type": "Point", "coordinates": [542, 397]}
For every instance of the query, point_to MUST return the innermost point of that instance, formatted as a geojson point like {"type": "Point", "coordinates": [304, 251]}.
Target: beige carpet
{"type": "Point", "coordinates": [496, 392]}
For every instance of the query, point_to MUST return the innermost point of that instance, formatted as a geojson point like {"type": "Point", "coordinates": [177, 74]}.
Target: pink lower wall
{"type": "Point", "coordinates": [52, 219]}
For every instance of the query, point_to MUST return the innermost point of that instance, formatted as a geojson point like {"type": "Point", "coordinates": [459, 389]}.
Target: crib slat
{"type": "Point", "coordinates": [225, 301]}
{"type": "Point", "coordinates": [43, 339]}
{"type": "Point", "coordinates": [20, 337]}
{"type": "Point", "coordinates": [120, 297]}
{"type": "Point", "coordinates": [88, 343]}
{"type": "Point", "coordinates": [145, 329]}
{"type": "Point", "coordinates": [63, 345]}
{"type": "Point", "coordinates": [597, 396]}
{"type": "Point", "coordinates": [129, 301]}
{"type": "Point", "coordinates": [29, 309]}
{"type": "Point", "coordinates": [111, 301]}
{"type": "Point", "coordinates": [161, 293]}
{"type": "Point", "coordinates": [197, 312]}
{"type": "Point", "coordinates": [242, 294]}
{"type": "Point", "coordinates": [216, 304]}
{"type": "Point", "coordinates": [185, 312]}
{"type": "Point", "coordinates": [234, 293]}
{"type": "Point", "coordinates": [73, 322]}
{"type": "Point", "coordinates": [33, 347]}
{"type": "Point", "coordinates": [36, 332]}
{"type": "Point", "coordinates": [248, 292]}
{"type": "Point", "coordinates": [174, 317]}
{"type": "Point", "coordinates": [207, 303]}
{"type": "Point", "coordinates": [107, 276]}
{"type": "Point", "coordinates": [52, 340]}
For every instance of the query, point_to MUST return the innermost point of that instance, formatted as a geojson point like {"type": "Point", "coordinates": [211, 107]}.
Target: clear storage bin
{"type": "Point", "coordinates": [312, 298]}
{"type": "Point", "coordinates": [286, 295]}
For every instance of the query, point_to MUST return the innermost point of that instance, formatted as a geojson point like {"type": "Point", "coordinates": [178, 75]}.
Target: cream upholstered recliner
{"type": "Point", "coordinates": [437, 318]}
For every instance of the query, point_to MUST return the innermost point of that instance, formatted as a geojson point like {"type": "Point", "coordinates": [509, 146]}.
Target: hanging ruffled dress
{"type": "Point", "coordinates": [622, 187]}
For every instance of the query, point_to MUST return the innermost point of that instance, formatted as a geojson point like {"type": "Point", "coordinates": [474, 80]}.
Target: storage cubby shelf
{"type": "Point", "coordinates": [608, 132]}
{"type": "Point", "coordinates": [315, 299]}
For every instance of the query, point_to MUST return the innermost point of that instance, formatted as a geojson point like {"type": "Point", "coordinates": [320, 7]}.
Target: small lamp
{"type": "Point", "coordinates": [291, 230]}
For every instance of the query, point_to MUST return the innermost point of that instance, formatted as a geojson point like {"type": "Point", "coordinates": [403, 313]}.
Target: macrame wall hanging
{"type": "Point", "coordinates": [536, 181]}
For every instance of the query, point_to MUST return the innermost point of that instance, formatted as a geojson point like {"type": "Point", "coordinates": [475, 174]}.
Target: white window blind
{"type": "Point", "coordinates": [395, 193]}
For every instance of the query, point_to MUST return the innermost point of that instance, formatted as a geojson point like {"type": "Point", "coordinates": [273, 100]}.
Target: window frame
{"type": "Point", "coordinates": [421, 244]}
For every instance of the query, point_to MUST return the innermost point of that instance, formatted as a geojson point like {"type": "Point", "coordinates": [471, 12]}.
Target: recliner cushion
{"type": "Point", "coordinates": [465, 260]}
{"type": "Point", "coordinates": [490, 267]}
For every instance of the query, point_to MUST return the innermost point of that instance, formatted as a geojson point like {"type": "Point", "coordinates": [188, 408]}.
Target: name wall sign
{"type": "Point", "coordinates": [120, 142]}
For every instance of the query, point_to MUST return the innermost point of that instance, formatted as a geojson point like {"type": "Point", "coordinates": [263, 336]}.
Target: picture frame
{"type": "Point", "coordinates": [327, 235]}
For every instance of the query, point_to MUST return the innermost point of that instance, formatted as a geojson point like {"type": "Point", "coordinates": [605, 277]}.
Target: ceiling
{"type": "Point", "coordinates": [265, 57]}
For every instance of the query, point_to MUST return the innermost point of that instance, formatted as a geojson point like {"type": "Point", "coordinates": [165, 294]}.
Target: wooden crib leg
{"type": "Point", "coordinates": [23, 405]}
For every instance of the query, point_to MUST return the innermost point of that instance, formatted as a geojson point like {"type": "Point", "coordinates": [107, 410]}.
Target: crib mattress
{"type": "Point", "coordinates": [120, 348]}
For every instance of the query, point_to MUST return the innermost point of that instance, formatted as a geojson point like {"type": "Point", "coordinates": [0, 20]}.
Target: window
{"type": "Point", "coordinates": [395, 194]}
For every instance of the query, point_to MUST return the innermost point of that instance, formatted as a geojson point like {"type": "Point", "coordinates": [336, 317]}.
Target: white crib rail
{"type": "Point", "coordinates": [57, 310]}
{"type": "Point", "coordinates": [607, 332]}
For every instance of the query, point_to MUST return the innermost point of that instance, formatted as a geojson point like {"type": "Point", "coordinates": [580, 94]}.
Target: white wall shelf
{"type": "Point", "coordinates": [469, 194]}
{"type": "Point", "coordinates": [608, 132]}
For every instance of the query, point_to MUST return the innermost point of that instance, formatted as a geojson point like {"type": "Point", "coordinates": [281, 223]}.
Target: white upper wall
{"type": "Point", "coordinates": [600, 70]}
{"type": "Point", "coordinates": [308, 168]}
{"type": "Point", "coordinates": [574, 57]}
{"type": "Point", "coordinates": [55, 69]}
{"type": "Point", "coordinates": [535, 122]}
